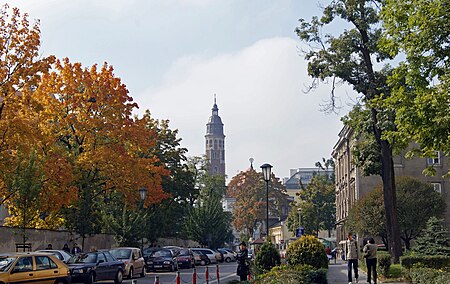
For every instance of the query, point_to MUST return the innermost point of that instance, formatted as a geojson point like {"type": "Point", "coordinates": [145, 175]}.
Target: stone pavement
{"type": "Point", "coordinates": [337, 274]}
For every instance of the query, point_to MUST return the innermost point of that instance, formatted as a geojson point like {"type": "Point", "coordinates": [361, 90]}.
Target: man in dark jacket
{"type": "Point", "coordinates": [242, 260]}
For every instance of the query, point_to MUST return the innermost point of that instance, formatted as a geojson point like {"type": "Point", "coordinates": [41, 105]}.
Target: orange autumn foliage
{"type": "Point", "coordinates": [92, 114]}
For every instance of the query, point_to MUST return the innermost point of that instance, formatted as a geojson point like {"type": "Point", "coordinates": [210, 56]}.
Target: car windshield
{"type": "Point", "coordinates": [5, 262]}
{"type": "Point", "coordinates": [121, 253]}
{"type": "Point", "coordinates": [184, 252]}
{"type": "Point", "coordinates": [161, 253]}
{"type": "Point", "coordinates": [86, 258]}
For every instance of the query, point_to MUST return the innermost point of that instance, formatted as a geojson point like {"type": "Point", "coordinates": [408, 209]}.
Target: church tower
{"type": "Point", "coordinates": [215, 142]}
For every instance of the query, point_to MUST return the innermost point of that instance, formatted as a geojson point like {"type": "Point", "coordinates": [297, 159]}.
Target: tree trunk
{"type": "Point", "coordinates": [390, 199]}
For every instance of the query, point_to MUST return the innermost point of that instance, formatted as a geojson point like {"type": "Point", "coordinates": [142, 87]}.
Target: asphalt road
{"type": "Point", "coordinates": [227, 273]}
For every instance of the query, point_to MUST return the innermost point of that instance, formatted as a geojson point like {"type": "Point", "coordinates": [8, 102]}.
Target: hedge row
{"type": "Point", "coordinates": [299, 274]}
{"type": "Point", "coordinates": [432, 261]}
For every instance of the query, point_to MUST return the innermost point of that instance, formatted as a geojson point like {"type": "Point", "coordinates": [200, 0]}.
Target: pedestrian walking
{"type": "Point", "coordinates": [242, 260]}
{"type": "Point", "coordinates": [351, 247]}
{"type": "Point", "coordinates": [76, 249]}
{"type": "Point", "coordinates": [370, 254]}
{"type": "Point", "coordinates": [66, 248]}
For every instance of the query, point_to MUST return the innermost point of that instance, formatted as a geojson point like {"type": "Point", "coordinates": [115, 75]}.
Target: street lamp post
{"type": "Point", "coordinates": [266, 169]}
{"type": "Point", "coordinates": [142, 195]}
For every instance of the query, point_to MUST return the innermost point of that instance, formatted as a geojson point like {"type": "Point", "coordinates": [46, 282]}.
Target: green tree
{"type": "Point", "coordinates": [316, 206]}
{"type": "Point", "coordinates": [349, 58]}
{"type": "Point", "coordinates": [206, 221]}
{"type": "Point", "coordinates": [434, 239]}
{"type": "Point", "coordinates": [416, 204]}
{"type": "Point", "coordinates": [180, 183]}
{"type": "Point", "coordinates": [421, 82]}
{"type": "Point", "coordinates": [208, 224]}
{"type": "Point", "coordinates": [124, 222]}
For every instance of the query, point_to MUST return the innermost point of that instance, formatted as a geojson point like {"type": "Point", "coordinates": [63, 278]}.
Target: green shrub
{"type": "Point", "coordinates": [424, 275]}
{"type": "Point", "coordinates": [307, 250]}
{"type": "Point", "coordinates": [266, 258]}
{"type": "Point", "coordinates": [300, 274]}
{"type": "Point", "coordinates": [384, 263]}
{"type": "Point", "coordinates": [430, 261]}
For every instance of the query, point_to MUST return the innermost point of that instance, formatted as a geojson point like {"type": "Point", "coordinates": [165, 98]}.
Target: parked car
{"type": "Point", "coordinates": [33, 267]}
{"type": "Point", "coordinates": [132, 258]}
{"type": "Point", "coordinates": [208, 252]}
{"type": "Point", "coordinates": [60, 254]}
{"type": "Point", "coordinates": [162, 259]}
{"type": "Point", "coordinates": [185, 258]}
{"type": "Point", "coordinates": [227, 255]}
{"type": "Point", "coordinates": [175, 249]}
{"type": "Point", "coordinates": [94, 266]}
{"type": "Point", "coordinates": [146, 252]}
{"type": "Point", "coordinates": [200, 258]}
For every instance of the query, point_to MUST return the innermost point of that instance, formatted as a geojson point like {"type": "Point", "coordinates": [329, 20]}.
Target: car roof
{"type": "Point", "coordinates": [124, 248]}
{"type": "Point", "coordinates": [18, 254]}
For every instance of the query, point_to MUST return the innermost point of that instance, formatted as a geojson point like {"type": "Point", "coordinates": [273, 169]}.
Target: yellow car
{"type": "Point", "coordinates": [33, 267]}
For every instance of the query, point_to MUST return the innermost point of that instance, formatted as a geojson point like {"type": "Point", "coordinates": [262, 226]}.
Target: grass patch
{"type": "Point", "coordinates": [394, 274]}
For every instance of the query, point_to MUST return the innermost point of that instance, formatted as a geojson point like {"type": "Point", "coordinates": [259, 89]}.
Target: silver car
{"type": "Point", "coordinates": [132, 258]}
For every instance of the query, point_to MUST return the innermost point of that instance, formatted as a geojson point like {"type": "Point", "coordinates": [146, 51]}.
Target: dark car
{"type": "Point", "coordinates": [94, 266]}
{"type": "Point", "coordinates": [185, 258]}
{"type": "Point", "coordinates": [162, 259]}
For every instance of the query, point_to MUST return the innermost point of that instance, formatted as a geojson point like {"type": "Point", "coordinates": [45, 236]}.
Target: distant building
{"type": "Point", "coordinates": [215, 143]}
{"type": "Point", "coordinates": [301, 177]}
{"type": "Point", "coordinates": [352, 186]}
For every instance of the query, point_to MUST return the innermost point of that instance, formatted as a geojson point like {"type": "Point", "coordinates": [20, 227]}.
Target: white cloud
{"type": "Point", "coordinates": [260, 100]}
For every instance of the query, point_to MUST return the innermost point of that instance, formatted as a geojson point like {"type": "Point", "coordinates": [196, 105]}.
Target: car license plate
{"type": "Point", "coordinates": [158, 266]}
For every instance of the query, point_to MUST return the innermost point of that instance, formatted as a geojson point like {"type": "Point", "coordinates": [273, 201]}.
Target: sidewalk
{"type": "Point", "coordinates": [337, 274]}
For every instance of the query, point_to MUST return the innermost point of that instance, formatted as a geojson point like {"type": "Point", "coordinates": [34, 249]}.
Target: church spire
{"type": "Point", "coordinates": [215, 142]}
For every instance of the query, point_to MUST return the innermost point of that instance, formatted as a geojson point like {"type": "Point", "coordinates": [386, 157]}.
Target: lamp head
{"type": "Point", "coordinates": [266, 169]}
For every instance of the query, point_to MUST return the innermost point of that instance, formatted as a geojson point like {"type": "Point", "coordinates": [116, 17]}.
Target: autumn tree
{"type": "Point", "coordinates": [107, 148]}
{"type": "Point", "coordinates": [421, 81]}
{"type": "Point", "coordinates": [353, 57]}
{"type": "Point", "coordinates": [417, 202]}
{"type": "Point", "coordinates": [249, 190]}
{"type": "Point", "coordinates": [25, 142]}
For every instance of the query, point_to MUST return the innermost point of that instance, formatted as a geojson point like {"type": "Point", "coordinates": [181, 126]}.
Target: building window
{"type": "Point", "coordinates": [437, 187]}
{"type": "Point", "coordinates": [435, 160]}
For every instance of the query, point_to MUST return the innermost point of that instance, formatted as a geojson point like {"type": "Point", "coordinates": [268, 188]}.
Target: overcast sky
{"type": "Point", "coordinates": [174, 55]}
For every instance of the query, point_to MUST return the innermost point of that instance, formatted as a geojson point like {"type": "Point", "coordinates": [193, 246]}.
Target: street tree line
{"type": "Point", "coordinates": [396, 105]}
{"type": "Point", "coordinates": [73, 155]}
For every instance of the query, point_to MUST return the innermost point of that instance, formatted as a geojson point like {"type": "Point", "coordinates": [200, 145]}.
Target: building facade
{"type": "Point", "coordinates": [352, 186]}
{"type": "Point", "coordinates": [215, 143]}
{"type": "Point", "coordinates": [300, 177]}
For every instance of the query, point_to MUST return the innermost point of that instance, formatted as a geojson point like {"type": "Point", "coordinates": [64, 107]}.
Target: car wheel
{"type": "Point", "coordinates": [90, 278]}
{"type": "Point", "coordinates": [143, 272]}
{"type": "Point", "coordinates": [59, 281]}
{"type": "Point", "coordinates": [130, 275]}
{"type": "Point", "coordinates": [202, 262]}
{"type": "Point", "coordinates": [119, 277]}
{"type": "Point", "coordinates": [227, 259]}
